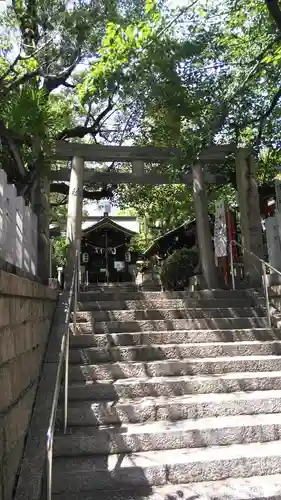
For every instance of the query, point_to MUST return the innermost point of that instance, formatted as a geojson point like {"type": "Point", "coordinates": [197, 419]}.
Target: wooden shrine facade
{"type": "Point", "coordinates": [105, 252]}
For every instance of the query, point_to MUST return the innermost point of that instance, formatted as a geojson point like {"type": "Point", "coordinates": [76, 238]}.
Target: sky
{"type": "Point", "coordinates": [3, 4]}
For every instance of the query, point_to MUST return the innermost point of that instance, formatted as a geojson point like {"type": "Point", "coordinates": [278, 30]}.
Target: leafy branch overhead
{"type": "Point", "coordinates": [40, 87]}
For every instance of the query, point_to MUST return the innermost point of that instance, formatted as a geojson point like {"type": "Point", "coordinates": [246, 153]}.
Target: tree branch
{"type": "Point", "coordinates": [89, 113]}
{"type": "Point", "coordinates": [62, 188]}
{"type": "Point", "coordinates": [274, 10]}
{"type": "Point", "coordinates": [19, 81]}
{"type": "Point", "coordinates": [10, 67]}
{"type": "Point", "coordinates": [265, 115]}
{"type": "Point", "coordinates": [258, 60]}
{"type": "Point", "coordinates": [20, 57]}
{"type": "Point", "coordinates": [218, 123]}
{"type": "Point", "coordinates": [82, 130]}
{"type": "Point", "coordinates": [69, 85]}
{"type": "Point", "coordinates": [59, 203]}
{"type": "Point", "coordinates": [51, 82]}
{"type": "Point", "coordinates": [8, 137]}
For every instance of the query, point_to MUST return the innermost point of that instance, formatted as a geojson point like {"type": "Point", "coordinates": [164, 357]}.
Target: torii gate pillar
{"type": "Point", "coordinates": [203, 228]}
{"type": "Point", "coordinates": [74, 215]}
{"type": "Point", "coordinates": [250, 218]}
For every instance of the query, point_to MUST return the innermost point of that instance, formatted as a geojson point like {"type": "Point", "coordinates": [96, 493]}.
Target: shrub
{"type": "Point", "coordinates": [60, 251]}
{"type": "Point", "coordinates": [178, 267]}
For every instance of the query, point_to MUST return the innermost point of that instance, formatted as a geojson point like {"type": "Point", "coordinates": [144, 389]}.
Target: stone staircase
{"type": "Point", "coordinates": [172, 396]}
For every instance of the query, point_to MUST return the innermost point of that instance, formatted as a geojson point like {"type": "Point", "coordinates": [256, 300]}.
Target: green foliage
{"type": "Point", "coordinates": [162, 206]}
{"type": "Point", "coordinates": [58, 212]}
{"type": "Point", "coordinates": [177, 268]}
{"type": "Point", "coordinates": [126, 212]}
{"type": "Point", "coordinates": [218, 80]}
{"type": "Point", "coordinates": [138, 243]}
{"type": "Point", "coordinates": [60, 247]}
{"type": "Point", "coordinates": [171, 77]}
{"type": "Point", "coordinates": [123, 42]}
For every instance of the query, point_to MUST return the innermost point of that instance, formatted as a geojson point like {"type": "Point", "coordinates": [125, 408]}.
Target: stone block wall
{"type": "Point", "coordinates": [26, 310]}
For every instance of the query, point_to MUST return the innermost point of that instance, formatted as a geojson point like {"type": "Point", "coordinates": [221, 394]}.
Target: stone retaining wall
{"type": "Point", "coordinates": [26, 310]}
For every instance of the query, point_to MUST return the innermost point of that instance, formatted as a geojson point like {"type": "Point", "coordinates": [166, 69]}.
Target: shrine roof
{"type": "Point", "coordinates": [182, 235]}
{"type": "Point", "coordinates": [128, 225]}
{"type": "Point", "coordinates": [160, 244]}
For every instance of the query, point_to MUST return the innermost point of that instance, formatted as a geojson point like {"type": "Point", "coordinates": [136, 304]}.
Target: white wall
{"type": "Point", "coordinates": [18, 229]}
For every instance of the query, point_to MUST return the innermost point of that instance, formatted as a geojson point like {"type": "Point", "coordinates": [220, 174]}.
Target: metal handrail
{"type": "Point", "coordinates": [63, 358]}
{"type": "Point", "coordinates": [264, 264]}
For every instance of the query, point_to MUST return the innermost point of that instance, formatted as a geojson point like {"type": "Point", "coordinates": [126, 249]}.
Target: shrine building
{"type": "Point", "coordinates": [105, 249]}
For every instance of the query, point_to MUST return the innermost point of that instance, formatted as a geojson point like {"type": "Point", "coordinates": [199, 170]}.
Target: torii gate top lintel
{"type": "Point", "coordinates": [138, 156]}
{"type": "Point", "coordinates": [63, 150]}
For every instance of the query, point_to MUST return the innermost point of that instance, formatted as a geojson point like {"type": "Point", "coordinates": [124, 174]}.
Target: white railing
{"type": "Point", "coordinates": [62, 369]}
{"type": "Point", "coordinates": [18, 229]}
{"type": "Point", "coordinates": [265, 267]}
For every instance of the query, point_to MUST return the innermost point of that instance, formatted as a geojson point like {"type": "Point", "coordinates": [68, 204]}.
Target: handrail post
{"type": "Point", "coordinates": [66, 358]}
{"type": "Point", "coordinates": [66, 362]}
{"type": "Point", "coordinates": [266, 293]}
{"type": "Point", "coordinates": [232, 265]}
{"type": "Point", "coordinates": [76, 285]}
{"type": "Point", "coordinates": [49, 468]}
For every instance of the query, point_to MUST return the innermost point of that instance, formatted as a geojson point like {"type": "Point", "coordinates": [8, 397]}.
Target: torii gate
{"type": "Point", "coordinates": [198, 176]}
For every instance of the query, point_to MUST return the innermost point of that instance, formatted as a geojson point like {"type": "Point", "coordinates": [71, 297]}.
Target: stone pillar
{"type": "Point", "coordinates": [74, 214]}
{"type": "Point", "coordinates": [41, 207]}
{"type": "Point", "coordinates": [203, 228]}
{"type": "Point", "coordinates": [138, 167]}
{"type": "Point", "coordinates": [273, 242]}
{"type": "Point", "coordinates": [250, 218]}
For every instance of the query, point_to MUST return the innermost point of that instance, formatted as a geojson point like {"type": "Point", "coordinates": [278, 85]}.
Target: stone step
{"type": "Point", "coordinates": [249, 488]}
{"type": "Point", "coordinates": [174, 351]}
{"type": "Point", "coordinates": [172, 337]}
{"type": "Point", "coordinates": [103, 287]}
{"type": "Point", "coordinates": [87, 413]}
{"type": "Point", "coordinates": [173, 367]}
{"type": "Point", "coordinates": [274, 290]}
{"type": "Point", "coordinates": [167, 314]}
{"type": "Point", "coordinates": [112, 286]}
{"type": "Point", "coordinates": [176, 324]}
{"type": "Point", "coordinates": [100, 305]}
{"type": "Point", "coordinates": [174, 386]}
{"type": "Point", "coordinates": [276, 302]}
{"type": "Point", "coordinates": [163, 435]}
{"type": "Point", "coordinates": [97, 472]}
{"type": "Point", "coordinates": [142, 295]}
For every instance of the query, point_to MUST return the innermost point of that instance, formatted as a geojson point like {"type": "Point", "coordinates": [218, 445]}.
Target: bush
{"type": "Point", "coordinates": [178, 268]}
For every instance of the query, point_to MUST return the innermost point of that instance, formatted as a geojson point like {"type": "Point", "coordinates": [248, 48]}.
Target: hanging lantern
{"type": "Point", "coordinates": [128, 257]}
{"type": "Point", "coordinates": [85, 258]}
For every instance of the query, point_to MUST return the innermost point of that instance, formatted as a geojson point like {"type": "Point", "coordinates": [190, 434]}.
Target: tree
{"type": "Point", "coordinates": [220, 82]}
{"type": "Point", "coordinates": [186, 77]}
{"type": "Point", "coordinates": [53, 41]}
